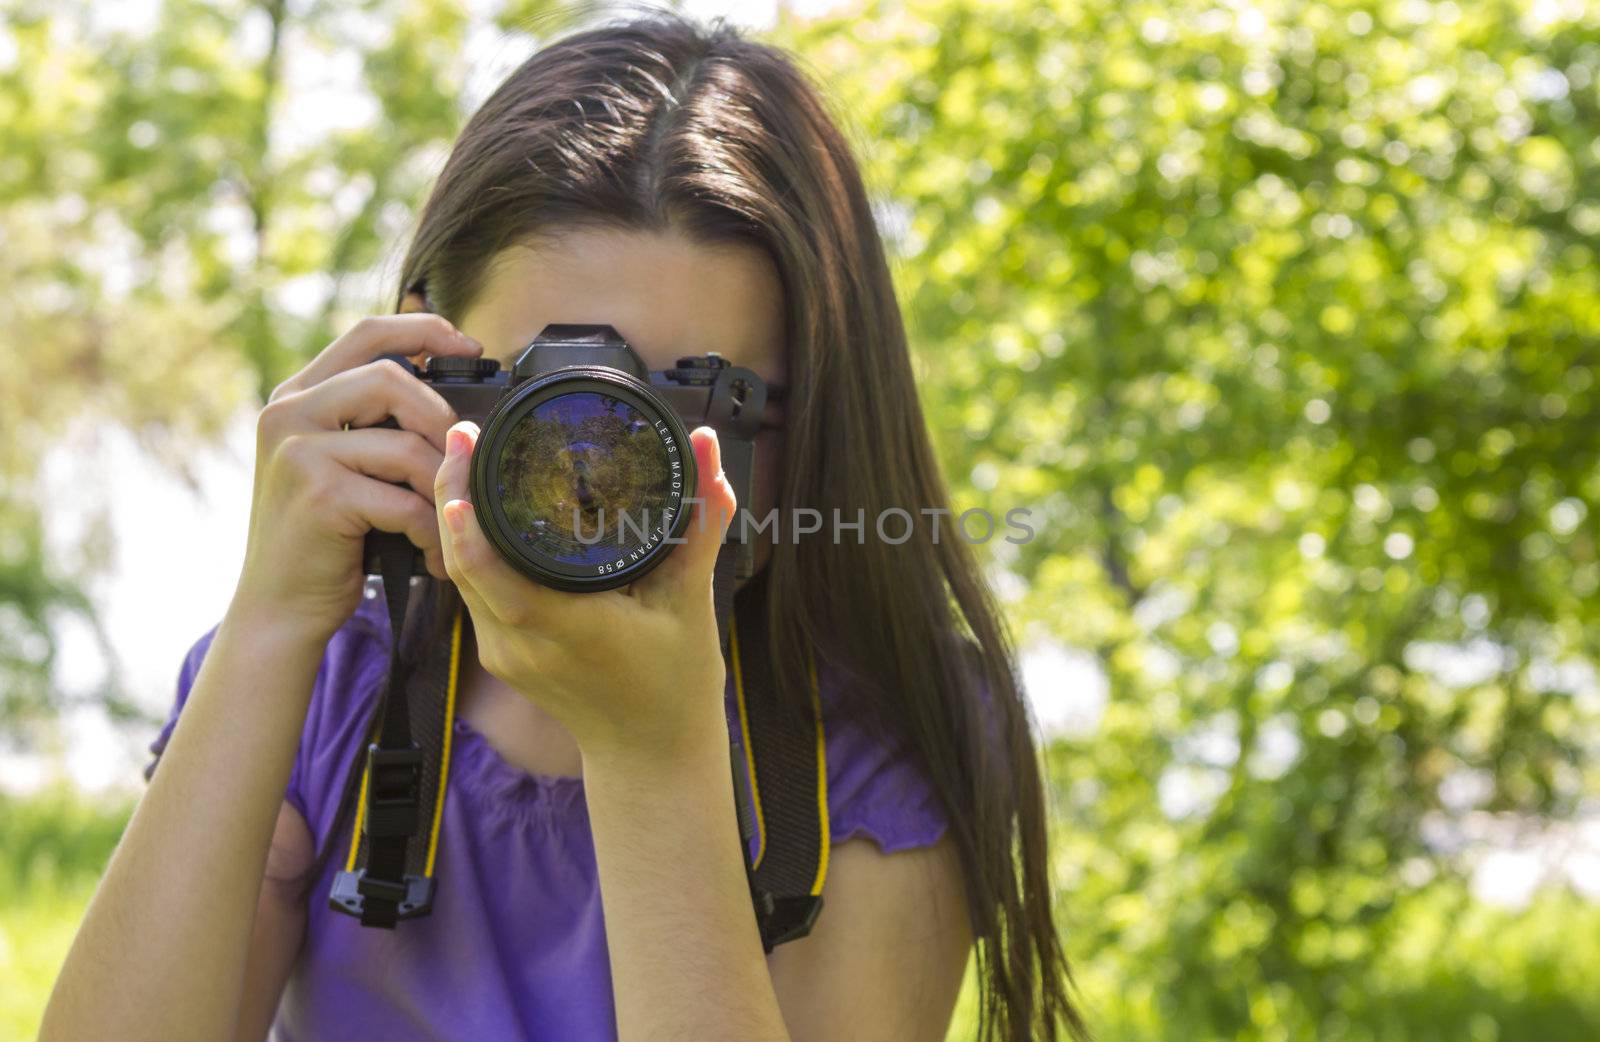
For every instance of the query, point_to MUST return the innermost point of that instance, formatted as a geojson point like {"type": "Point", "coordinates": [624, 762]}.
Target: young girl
{"type": "Point", "coordinates": [688, 188]}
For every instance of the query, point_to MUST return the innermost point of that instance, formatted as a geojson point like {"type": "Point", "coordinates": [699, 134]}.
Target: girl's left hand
{"type": "Point", "coordinates": [635, 672]}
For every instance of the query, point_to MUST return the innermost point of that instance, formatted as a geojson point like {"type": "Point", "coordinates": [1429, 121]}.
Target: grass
{"type": "Point", "coordinates": [56, 845]}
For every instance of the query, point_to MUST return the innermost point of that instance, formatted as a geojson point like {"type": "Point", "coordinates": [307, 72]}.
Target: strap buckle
{"type": "Point", "coordinates": [392, 901]}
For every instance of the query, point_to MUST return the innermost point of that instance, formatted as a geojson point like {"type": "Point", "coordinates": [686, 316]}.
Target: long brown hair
{"type": "Point", "coordinates": [654, 123]}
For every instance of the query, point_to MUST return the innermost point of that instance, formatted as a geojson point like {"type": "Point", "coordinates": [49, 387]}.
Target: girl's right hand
{"type": "Point", "coordinates": [319, 488]}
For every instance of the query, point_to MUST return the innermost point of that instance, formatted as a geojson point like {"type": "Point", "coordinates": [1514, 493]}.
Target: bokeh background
{"type": "Point", "coordinates": [1282, 316]}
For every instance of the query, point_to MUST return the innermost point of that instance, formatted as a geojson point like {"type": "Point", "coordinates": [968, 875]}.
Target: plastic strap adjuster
{"type": "Point", "coordinates": [394, 783]}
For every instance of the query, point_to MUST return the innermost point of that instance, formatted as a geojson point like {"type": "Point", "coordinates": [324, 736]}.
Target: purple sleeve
{"type": "Point", "coordinates": [347, 680]}
{"type": "Point", "coordinates": [186, 674]}
{"type": "Point", "coordinates": [875, 786]}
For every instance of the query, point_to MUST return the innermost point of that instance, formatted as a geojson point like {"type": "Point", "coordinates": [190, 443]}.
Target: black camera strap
{"type": "Point", "coordinates": [405, 764]}
{"type": "Point", "coordinates": [778, 761]}
{"type": "Point", "coordinates": [780, 773]}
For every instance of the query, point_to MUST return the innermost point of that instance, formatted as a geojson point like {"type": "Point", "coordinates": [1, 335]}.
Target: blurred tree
{"type": "Point", "coordinates": [189, 207]}
{"type": "Point", "coordinates": [1283, 319]}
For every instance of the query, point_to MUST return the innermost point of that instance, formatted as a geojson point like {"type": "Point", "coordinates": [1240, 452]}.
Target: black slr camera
{"type": "Point", "coordinates": [583, 474]}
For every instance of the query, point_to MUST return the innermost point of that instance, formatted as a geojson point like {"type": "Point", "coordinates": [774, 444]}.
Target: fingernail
{"type": "Point", "coordinates": [454, 516]}
{"type": "Point", "coordinates": [455, 442]}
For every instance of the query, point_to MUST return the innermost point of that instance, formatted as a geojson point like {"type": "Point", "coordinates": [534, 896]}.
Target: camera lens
{"type": "Point", "coordinates": [575, 469]}
{"type": "Point", "coordinates": [584, 477]}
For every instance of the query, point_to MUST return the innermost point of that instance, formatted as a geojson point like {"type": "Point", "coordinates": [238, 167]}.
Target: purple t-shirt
{"type": "Point", "coordinates": [516, 945]}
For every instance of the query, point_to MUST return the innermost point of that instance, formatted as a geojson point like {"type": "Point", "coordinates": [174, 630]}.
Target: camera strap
{"type": "Point", "coordinates": [778, 759]}
{"type": "Point", "coordinates": [780, 771]}
{"type": "Point", "coordinates": [405, 765]}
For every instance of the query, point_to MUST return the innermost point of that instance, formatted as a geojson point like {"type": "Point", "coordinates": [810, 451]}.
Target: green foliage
{"type": "Point", "coordinates": [58, 838]}
{"type": "Point", "coordinates": [176, 239]}
{"type": "Point", "coordinates": [1282, 319]}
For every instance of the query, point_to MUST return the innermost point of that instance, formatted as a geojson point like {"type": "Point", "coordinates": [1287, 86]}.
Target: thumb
{"type": "Point", "coordinates": [688, 568]}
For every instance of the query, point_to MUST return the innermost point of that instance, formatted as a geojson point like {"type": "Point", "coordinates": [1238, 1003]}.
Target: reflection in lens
{"type": "Point", "coordinates": [586, 478]}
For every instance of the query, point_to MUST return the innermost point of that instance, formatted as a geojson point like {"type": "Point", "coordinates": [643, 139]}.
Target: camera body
{"type": "Point", "coordinates": [583, 475]}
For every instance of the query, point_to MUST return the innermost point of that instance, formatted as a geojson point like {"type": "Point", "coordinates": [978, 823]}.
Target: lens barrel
{"type": "Point", "coordinates": [582, 478]}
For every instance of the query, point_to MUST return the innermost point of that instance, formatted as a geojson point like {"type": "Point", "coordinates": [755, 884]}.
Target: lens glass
{"type": "Point", "coordinates": [587, 478]}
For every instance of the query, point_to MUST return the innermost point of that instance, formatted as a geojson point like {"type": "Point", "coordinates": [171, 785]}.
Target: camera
{"type": "Point", "coordinates": [583, 475]}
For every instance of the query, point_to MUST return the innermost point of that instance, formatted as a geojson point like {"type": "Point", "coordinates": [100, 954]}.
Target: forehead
{"type": "Point", "coordinates": [668, 296]}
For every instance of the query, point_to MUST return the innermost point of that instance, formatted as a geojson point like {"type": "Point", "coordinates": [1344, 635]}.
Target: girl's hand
{"type": "Point", "coordinates": [635, 672]}
{"type": "Point", "coordinates": [319, 488]}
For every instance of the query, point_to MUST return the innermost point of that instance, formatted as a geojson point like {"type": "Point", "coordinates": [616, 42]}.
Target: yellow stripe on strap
{"type": "Point", "coordinates": [744, 729]}
{"type": "Point", "coordinates": [449, 730]}
{"type": "Point", "coordinates": [444, 761]}
{"type": "Point", "coordinates": [361, 809]}
{"type": "Point", "coordinates": [822, 779]}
